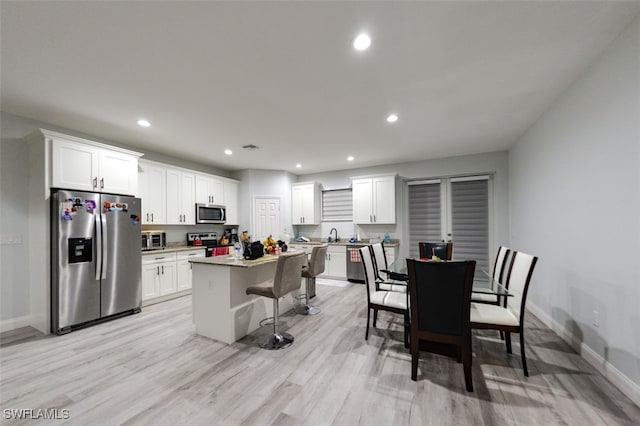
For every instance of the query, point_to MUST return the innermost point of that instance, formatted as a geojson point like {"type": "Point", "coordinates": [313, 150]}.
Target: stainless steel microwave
{"type": "Point", "coordinates": [209, 213]}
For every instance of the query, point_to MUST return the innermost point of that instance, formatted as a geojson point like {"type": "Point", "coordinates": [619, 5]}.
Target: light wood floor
{"type": "Point", "coordinates": [152, 369]}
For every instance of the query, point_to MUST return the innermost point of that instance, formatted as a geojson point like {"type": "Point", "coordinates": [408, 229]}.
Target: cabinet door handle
{"type": "Point", "coordinates": [374, 218]}
{"type": "Point", "coordinates": [95, 182]}
{"type": "Point", "coordinates": [151, 217]}
{"type": "Point", "coordinates": [157, 270]}
{"type": "Point", "coordinates": [102, 183]}
{"type": "Point", "coordinates": [162, 269]}
{"type": "Point", "coordinates": [147, 217]}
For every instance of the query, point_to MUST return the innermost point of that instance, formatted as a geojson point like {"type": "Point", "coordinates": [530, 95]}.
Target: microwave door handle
{"type": "Point", "coordinates": [224, 215]}
{"type": "Point", "coordinates": [105, 246]}
{"type": "Point", "coordinates": [98, 231]}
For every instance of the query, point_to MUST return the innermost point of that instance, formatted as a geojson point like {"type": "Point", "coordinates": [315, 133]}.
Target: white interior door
{"type": "Point", "coordinates": [266, 218]}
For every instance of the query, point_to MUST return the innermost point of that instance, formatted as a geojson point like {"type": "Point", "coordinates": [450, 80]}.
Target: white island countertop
{"type": "Point", "coordinates": [232, 261]}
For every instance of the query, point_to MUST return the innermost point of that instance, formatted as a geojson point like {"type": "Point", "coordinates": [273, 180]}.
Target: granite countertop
{"type": "Point", "coordinates": [345, 242]}
{"type": "Point", "coordinates": [232, 261]}
{"type": "Point", "coordinates": [173, 249]}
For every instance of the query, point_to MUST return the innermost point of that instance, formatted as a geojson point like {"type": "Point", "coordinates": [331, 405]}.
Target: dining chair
{"type": "Point", "coordinates": [380, 269]}
{"type": "Point", "coordinates": [441, 249]}
{"type": "Point", "coordinates": [440, 301]}
{"type": "Point", "coordinates": [381, 300]}
{"type": "Point", "coordinates": [509, 317]}
{"type": "Point", "coordinates": [499, 274]}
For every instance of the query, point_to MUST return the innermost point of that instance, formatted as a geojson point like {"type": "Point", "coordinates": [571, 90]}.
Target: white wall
{"type": "Point", "coordinates": [495, 163]}
{"type": "Point", "coordinates": [14, 232]}
{"type": "Point", "coordinates": [574, 191]}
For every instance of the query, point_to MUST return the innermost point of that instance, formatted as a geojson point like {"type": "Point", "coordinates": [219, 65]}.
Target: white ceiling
{"type": "Point", "coordinates": [464, 77]}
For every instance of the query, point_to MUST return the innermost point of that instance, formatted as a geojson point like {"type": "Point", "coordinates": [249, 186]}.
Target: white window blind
{"type": "Point", "coordinates": [470, 221]}
{"type": "Point", "coordinates": [337, 205]}
{"type": "Point", "coordinates": [424, 214]}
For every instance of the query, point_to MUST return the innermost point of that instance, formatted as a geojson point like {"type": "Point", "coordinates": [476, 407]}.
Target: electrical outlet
{"type": "Point", "coordinates": [595, 318]}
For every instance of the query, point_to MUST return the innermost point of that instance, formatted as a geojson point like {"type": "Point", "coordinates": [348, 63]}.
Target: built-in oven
{"type": "Point", "coordinates": [355, 271]}
{"type": "Point", "coordinates": [210, 213]}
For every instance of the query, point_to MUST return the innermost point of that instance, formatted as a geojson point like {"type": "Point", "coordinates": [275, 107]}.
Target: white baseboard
{"type": "Point", "coordinates": [13, 323]}
{"type": "Point", "coordinates": [604, 367]}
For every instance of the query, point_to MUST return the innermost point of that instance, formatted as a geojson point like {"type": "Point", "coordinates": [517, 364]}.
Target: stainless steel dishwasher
{"type": "Point", "coordinates": [355, 271]}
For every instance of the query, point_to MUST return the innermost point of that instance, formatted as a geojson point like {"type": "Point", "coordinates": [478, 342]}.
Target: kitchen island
{"type": "Point", "coordinates": [221, 309]}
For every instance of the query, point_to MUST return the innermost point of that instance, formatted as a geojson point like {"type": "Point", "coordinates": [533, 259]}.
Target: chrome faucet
{"type": "Point", "coordinates": [336, 238]}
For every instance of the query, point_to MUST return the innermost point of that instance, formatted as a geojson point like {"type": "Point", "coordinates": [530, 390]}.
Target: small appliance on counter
{"type": "Point", "coordinates": [208, 240]}
{"type": "Point", "coordinates": [153, 240]}
{"type": "Point", "coordinates": [232, 235]}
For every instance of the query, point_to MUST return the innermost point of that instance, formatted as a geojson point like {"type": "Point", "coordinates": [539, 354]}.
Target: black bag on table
{"type": "Point", "coordinates": [253, 250]}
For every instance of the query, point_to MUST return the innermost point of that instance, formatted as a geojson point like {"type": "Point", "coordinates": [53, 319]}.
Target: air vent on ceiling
{"type": "Point", "coordinates": [250, 147]}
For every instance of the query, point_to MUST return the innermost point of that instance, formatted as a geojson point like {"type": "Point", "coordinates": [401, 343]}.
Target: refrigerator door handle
{"type": "Point", "coordinates": [105, 246]}
{"type": "Point", "coordinates": [98, 230]}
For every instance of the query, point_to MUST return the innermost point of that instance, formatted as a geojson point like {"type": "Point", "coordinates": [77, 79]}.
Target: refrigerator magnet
{"type": "Point", "coordinates": [65, 211]}
{"type": "Point", "coordinates": [135, 219]}
{"type": "Point", "coordinates": [90, 204]}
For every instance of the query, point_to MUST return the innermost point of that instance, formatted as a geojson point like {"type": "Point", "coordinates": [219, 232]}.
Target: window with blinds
{"type": "Point", "coordinates": [470, 221]}
{"type": "Point", "coordinates": [466, 217]}
{"type": "Point", "coordinates": [337, 205]}
{"type": "Point", "coordinates": [424, 214]}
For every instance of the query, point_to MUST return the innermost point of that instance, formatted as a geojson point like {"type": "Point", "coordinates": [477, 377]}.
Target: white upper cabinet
{"type": "Point", "coordinates": [209, 190]}
{"type": "Point", "coordinates": [90, 166]}
{"type": "Point", "coordinates": [118, 172]}
{"type": "Point", "coordinates": [181, 188]}
{"type": "Point", "coordinates": [374, 200]}
{"type": "Point", "coordinates": [73, 166]}
{"type": "Point", "coordinates": [231, 201]}
{"type": "Point", "coordinates": [153, 188]}
{"type": "Point", "coordinates": [305, 203]}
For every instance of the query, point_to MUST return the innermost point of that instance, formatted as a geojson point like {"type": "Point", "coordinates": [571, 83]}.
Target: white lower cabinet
{"type": "Point", "coordinates": [336, 263]}
{"type": "Point", "coordinates": [167, 274]}
{"type": "Point", "coordinates": [185, 268]}
{"type": "Point", "coordinates": [158, 275]}
{"type": "Point", "coordinates": [150, 281]}
{"type": "Point", "coordinates": [168, 282]}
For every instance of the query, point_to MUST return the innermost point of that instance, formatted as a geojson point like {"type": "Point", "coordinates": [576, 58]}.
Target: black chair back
{"type": "Point", "coordinates": [440, 296]}
{"type": "Point", "coordinates": [442, 250]}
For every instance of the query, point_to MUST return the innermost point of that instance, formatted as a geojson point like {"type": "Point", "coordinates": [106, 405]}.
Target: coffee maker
{"type": "Point", "coordinates": [232, 235]}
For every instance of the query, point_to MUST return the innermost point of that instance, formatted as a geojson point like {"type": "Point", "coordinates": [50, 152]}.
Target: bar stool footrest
{"type": "Point", "coordinates": [276, 341]}
{"type": "Point", "coordinates": [306, 310]}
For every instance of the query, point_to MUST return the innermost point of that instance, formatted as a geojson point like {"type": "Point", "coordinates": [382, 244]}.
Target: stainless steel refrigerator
{"type": "Point", "coordinates": [95, 258]}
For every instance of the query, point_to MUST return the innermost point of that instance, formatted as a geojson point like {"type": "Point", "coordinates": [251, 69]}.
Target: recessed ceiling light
{"type": "Point", "coordinates": [392, 118]}
{"type": "Point", "coordinates": [298, 165]}
{"type": "Point", "coordinates": [228, 151]}
{"type": "Point", "coordinates": [144, 123]}
{"type": "Point", "coordinates": [362, 42]}
{"type": "Point", "coordinates": [350, 158]}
